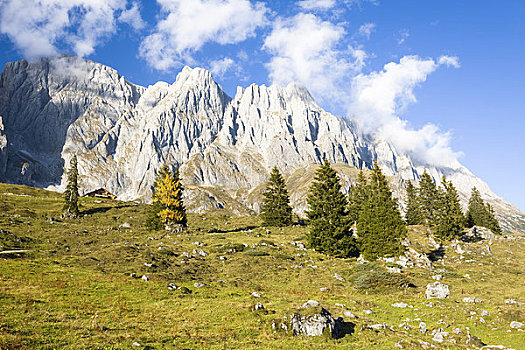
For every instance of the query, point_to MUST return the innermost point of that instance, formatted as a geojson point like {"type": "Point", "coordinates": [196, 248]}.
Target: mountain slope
{"type": "Point", "coordinates": [122, 133]}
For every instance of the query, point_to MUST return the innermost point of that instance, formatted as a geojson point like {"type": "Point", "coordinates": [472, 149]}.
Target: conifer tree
{"type": "Point", "coordinates": [481, 214]}
{"type": "Point", "coordinates": [380, 226]}
{"type": "Point", "coordinates": [449, 218]}
{"type": "Point", "coordinates": [153, 220]}
{"type": "Point", "coordinates": [330, 224]}
{"type": "Point", "coordinates": [413, 210]}
{"type": "Point", "coordinates": [167, 199]}
{"type": "Point", "coordinates": [276, 209]}
{"type": "Point", "coordinates": [428, 199]}
{"type": "Point", "coordinates": [357, 197]}
{"type": "Point", "coordinates": [71, 193]}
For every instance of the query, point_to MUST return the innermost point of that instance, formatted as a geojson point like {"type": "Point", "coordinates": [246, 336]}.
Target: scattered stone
{"type": "Point", "coordinates": [309, 304]}
{"type": "Point", "coordinates": [513, 301]}
{"type": "Point", "coordinates": [367, 312]}
{"type": "Point", "coordinates": [323, 289]}
{"type": "Point", "coordinates": [173, 286]}
{"type": "Point", "coordinates": [199, 252]}
{"type": "Point", "coordinates": [459, 250]}
{"type": "Point", "coordinates": [258, 306]}
{"type": "Point", "coordinates": [199, 285]}
{"type": "Point", "coordinates": [393, 269]}
{"type": "Point", "coordinates": [422, 327]}
{"type": "Point", "coordinates": [148, 264]}
{"type": "Point", "coordinates": [405, 326]}
{"type": "Point", "coordinates": [125, 225]}
{"type": "Point", "coordinates": [338, 277]}
{"type": "Point", "coordinates": [437, 290]}
{"type": "Point", "coordinates": [186, 255]}
{"type": "Point", "coordinates": [516, 325]}
{"type": "Point", "coordinates": [145, 278]}
{"type": "Point", "coordinates": [133, 275]}
{"type": "Point", "coordinates": [457, 331]}
{"type": "Point", "coordinates": [379, 326]}
{"type": "Point", "coordinates": [401, 305]}
{"type": "Point", "coordinates": [200, 244]}
{"type": "Point", "coordinates": [437, 277]}
{"type": "Point", "coordinates": [256, 295]}
{"type": "Point", "coordinates": [484, 312]}
{"type": "Point", "coordinates": [349, 314]}
{"type": "Point", "coordinates": [222, 257]}
{"type": "Point", "coordinates": [399, 345]}
{"type": "Point", "coordinates": [472, 300]}
{"type": "Point", "coordinates": [135, 344]}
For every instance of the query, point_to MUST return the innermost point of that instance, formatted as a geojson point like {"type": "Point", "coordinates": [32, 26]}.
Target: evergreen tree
{"type": "Point", "coordinates": [413, 211]}
{"type": "Point", "coordinates": [428, 199]}
{"type": "Point", "coordinates": [449, 219]}
{"type": "Point", "coordinates": [481, 214]}
{"type": "Point", "coordinates": [276, 209]}
{"type": "Point", "coordinates": [380, 226]}
{"type": "Point", "coordinates": [357, 197]}
{"type": "Point", "coordinates": [330, 224]}
{"type": "Point", "coordinates": [71, 193]}
{"type": "Point", "coordinates": [167, 200]}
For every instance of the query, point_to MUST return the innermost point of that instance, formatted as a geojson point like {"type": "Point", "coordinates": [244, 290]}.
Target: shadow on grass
{"type": "Point", "coordinates": [343, 328]}
{"type": "Point", "coordinates": [436, 254]}
{"type": "Point", "coordinates": [240, 229]}
{"type": "Point", "coordinates": [103, 209]}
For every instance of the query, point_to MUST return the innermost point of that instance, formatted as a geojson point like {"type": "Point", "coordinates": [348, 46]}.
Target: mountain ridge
{"type": "Point", "coordinates": [122, 132]}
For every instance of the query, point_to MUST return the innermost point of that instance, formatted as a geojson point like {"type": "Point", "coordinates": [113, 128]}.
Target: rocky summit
{"type": "Point", "coordinates": [53, 108]}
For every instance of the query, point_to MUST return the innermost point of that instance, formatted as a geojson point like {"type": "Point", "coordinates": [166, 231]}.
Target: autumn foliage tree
{"type": "Point", "coordinates": [167, 207]}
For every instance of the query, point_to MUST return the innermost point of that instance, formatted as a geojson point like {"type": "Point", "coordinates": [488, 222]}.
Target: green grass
{"type": "Point", "coordinates": [72, 288]}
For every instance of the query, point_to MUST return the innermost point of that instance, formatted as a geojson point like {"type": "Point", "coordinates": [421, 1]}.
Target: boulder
{"type": "Point", "coordinates": [437, 290]}
{"type": "Point", "coordinates": [472, 300]}
{"type": "Point", "coordinates": [314, 322]}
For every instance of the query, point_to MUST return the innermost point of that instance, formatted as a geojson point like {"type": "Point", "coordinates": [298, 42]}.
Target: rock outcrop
{"type": "Point", "coordinates": [122, 133]}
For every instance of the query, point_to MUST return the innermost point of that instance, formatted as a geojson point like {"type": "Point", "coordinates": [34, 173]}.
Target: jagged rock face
{"type": "Point", "coordinates": [121, 133]}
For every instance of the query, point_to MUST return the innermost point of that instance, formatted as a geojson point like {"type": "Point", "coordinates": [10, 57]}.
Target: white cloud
{"type": "Point", "coordinates": [305, 49]}
{"type": "Point", "coordinates": [132, 17]}
{"type": "Point", "coordinates": [404, 34]}
{"type": "Point", "coordinates": [366, 29]}
{"type": "Point", "coordinates": [316, 4]}
{"type": "Point", "coordinates": [36, 27]}
{"type": "Point", "coordinates": [377, 99]}
{"type": "Point", "coordinates": [220, 67]}
{"type": "Point", "coordinates": [189, 24]}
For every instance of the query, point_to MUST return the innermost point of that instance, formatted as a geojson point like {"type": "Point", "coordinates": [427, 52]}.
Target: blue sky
{"type": "Point", "coordinates": [441, 79]}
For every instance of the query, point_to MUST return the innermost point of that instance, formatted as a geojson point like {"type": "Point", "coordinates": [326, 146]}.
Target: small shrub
{"type": "Point", "coordinates": [371, 276]}
{"type": "Point", "coordinates": [229, 248]}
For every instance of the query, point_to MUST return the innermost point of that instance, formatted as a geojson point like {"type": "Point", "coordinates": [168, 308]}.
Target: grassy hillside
{"type": "Point", "coordinates": [69, 285]}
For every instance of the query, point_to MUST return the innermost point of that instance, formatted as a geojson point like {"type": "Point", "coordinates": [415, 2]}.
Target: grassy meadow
{"type": "Point", "coordinates": [69, 284]}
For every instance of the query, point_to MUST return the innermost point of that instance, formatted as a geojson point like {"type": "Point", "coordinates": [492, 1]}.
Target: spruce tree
{"type": "Point", "coordinates": [449, 219]}
{"type": "Point", "coordinates": [330, 224]}
{"type": "Point", "coordinates": [71, 193]}
{"type": "Point", "coordinates": [413, 210]}
{"type": "Point", "coordinates": [357, 197]}
{"type": "Point", "coordinates": [276, 209]}
{"type": "Point", "coordinates": [380, 226]}
{"type": "Point", "coordinates": [167, 200]}
{"type": "Point", "coordinates": [481, 214]}
{"type": "Point", "coordinates": [428, 199]}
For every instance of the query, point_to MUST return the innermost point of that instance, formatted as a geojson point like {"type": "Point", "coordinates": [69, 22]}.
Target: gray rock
{"type": "Point", "coordinates": [125, 225]}
{"type": "Point", "coordinates": [437, 277]}
{"type": "Point", "coordinates": [516, 324]}
{"type": "Point", "coordinates": [186, 255]}
{"type": "Point", "coordinates": [349, 314]}
{"type": "Point", "coordinates": [256, 295]}
{"type": "Point", "coordinates": [338, 277]}
{"type": "Point", "coordinates": [199, 252]}
{"type": "Point", "coordinates": [309, 303]}
{"type": "Point", "coordinates": [315, 324]}
{"type": "Point", "coordinates": [323, 289]}
{"type": "Point", "coordinates": [401, 305]}
{"type": "Point", "coordinates": [422, 327]}
{"type": "Point", "coordinates": [473, 300]}
{"type": "Point", "coordinates": [367, 312]}
{"type": "Point", "coordinates": [258, 306]}
{"type": "Point", "coordinates": [514, 301]}
{"type": "Point", "coordinates": [199, 285]}
{"type": "Point", "coordinates": [145, 278]}
{"type": "Point", "coordinates": [437, 290]}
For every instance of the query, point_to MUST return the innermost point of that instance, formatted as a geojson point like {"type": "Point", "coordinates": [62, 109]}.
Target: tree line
{"type": "Point", "coordinates": [367, 221]}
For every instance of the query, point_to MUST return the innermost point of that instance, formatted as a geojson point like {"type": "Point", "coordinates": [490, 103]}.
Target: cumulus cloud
{"type": "Point", "coordinates": [316, 4]}
{"type": "Point", "coordinates": [366, 30]}
{"type": "Point", "coordinates": [306, 49]}
{"type": "Point", "coordinates": [132, 17]}
{"type": "Point", "coordinates": [37, 27]}
{"type": "Point", "coordinates": [221, 67]}
{"type": "Point", "coordinates": [377, 99]}
{"type": "Point", "coordinates": [189, 24]}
